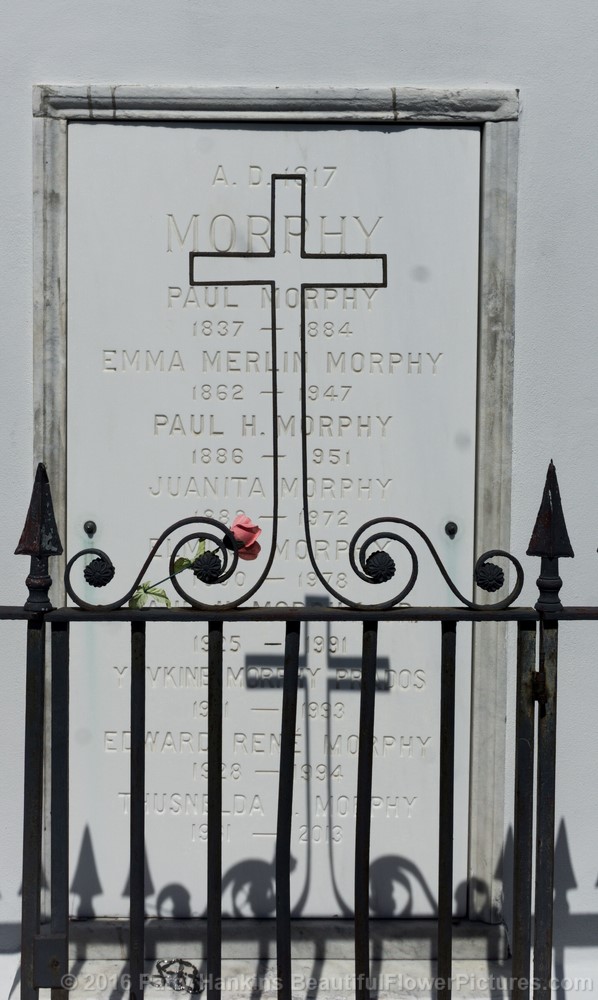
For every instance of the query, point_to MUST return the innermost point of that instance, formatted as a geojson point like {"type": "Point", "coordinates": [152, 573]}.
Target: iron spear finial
{"type": "Point", "coordinates": [40, 535]}
{"type": "Point", "coordinates": [550, 541]}
{"type": "Point", "coordinates": [40, 540]}
{"type": "Point", "coordinates": [550, 537]}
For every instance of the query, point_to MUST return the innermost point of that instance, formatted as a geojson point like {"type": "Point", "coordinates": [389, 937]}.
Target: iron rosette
{"type": "Point", "coordinates": [375, 566]}
{"type": "Point", "coordinates": [213, 566]}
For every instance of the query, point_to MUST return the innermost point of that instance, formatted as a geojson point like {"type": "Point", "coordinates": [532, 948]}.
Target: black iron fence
{"type": "Point", "coordinates": [45, 961]}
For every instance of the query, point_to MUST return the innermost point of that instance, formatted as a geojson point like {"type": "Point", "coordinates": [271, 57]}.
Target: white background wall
{"type": "Point", "coordinates": [548, 49]}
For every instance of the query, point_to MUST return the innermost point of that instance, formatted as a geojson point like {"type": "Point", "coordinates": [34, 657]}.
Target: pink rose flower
{"type": "Point", "coordinates": [250, 551]}
{"type": "Point", "coordinates": [246, 534]}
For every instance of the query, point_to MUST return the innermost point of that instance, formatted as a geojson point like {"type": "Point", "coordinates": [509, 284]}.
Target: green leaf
{"type": "Point", "coordinates": [139, 598]}
{"type": "Point", "coordinates": [180, 564]}
{"type": "Point", "coordinates": [144, 592]}
{"type": "Point", "coordinates": [159, 595]}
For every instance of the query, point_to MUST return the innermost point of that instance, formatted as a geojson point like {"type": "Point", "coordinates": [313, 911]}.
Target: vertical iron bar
{"type": "Point", "coordinates": [446, 809]}
{"type": "Point", "coordinates": [33, 803]}
{"type": "Point", "coordinates": [59, 833]}
{"type": "Point", "coordinates": [524, 809]}
{"type": "Point", "coordinates": [364, 810]}
{"type": "Point", "coordinates": [545, 809]}
{"type": "Point", "coordinates": [137, 830]}
{"type": "Point", "coordinates": [285, 809]}
{"type": "Point", "coordinates": [214, 943]}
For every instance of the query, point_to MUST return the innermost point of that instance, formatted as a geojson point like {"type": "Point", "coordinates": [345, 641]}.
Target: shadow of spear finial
{"type": "Point", "coordinates": [40, 540]}
{"type": "Point", "coordinates": [550, 541]}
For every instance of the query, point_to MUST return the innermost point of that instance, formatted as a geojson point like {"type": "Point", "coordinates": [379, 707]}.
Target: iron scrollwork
{"type": "Point", "coordinates": [217, 565]}
{"type": "Point", "coordinates": [209, 567]}
{"type": "Point", "coordinates": [377, 566]}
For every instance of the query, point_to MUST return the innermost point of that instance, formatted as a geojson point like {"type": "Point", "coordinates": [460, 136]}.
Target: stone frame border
{"type": "Point", "coordinates": [496, 112]}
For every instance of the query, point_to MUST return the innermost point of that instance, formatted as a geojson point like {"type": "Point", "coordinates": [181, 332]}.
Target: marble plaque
{"type": "Point", "coordinates": [170, 415]}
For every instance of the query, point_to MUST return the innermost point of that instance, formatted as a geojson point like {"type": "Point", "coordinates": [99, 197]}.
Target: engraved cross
{"type": "Point", "coordinates": [281, 266]}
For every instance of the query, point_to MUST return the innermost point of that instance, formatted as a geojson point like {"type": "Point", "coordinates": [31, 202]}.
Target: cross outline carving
{"type": "Point", "coordinates": [303, 255]}
{"type": "Point", "coordinates": [260, 282]}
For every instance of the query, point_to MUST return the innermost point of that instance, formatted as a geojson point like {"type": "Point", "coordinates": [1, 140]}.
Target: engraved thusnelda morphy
{"type": "Point", "coordinates": [169, 415]}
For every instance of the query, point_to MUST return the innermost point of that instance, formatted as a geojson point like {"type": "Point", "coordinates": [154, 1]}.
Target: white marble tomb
{"type": "Point", "coordinates": [169, 415]}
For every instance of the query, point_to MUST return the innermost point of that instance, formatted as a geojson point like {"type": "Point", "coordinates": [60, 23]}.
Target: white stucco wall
{"type": "Point", "coordinates": [545, 47]}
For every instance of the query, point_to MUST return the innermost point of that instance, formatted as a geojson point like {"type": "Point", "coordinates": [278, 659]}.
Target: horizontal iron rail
{"type": "Point", "coordinates": [311, 613]}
